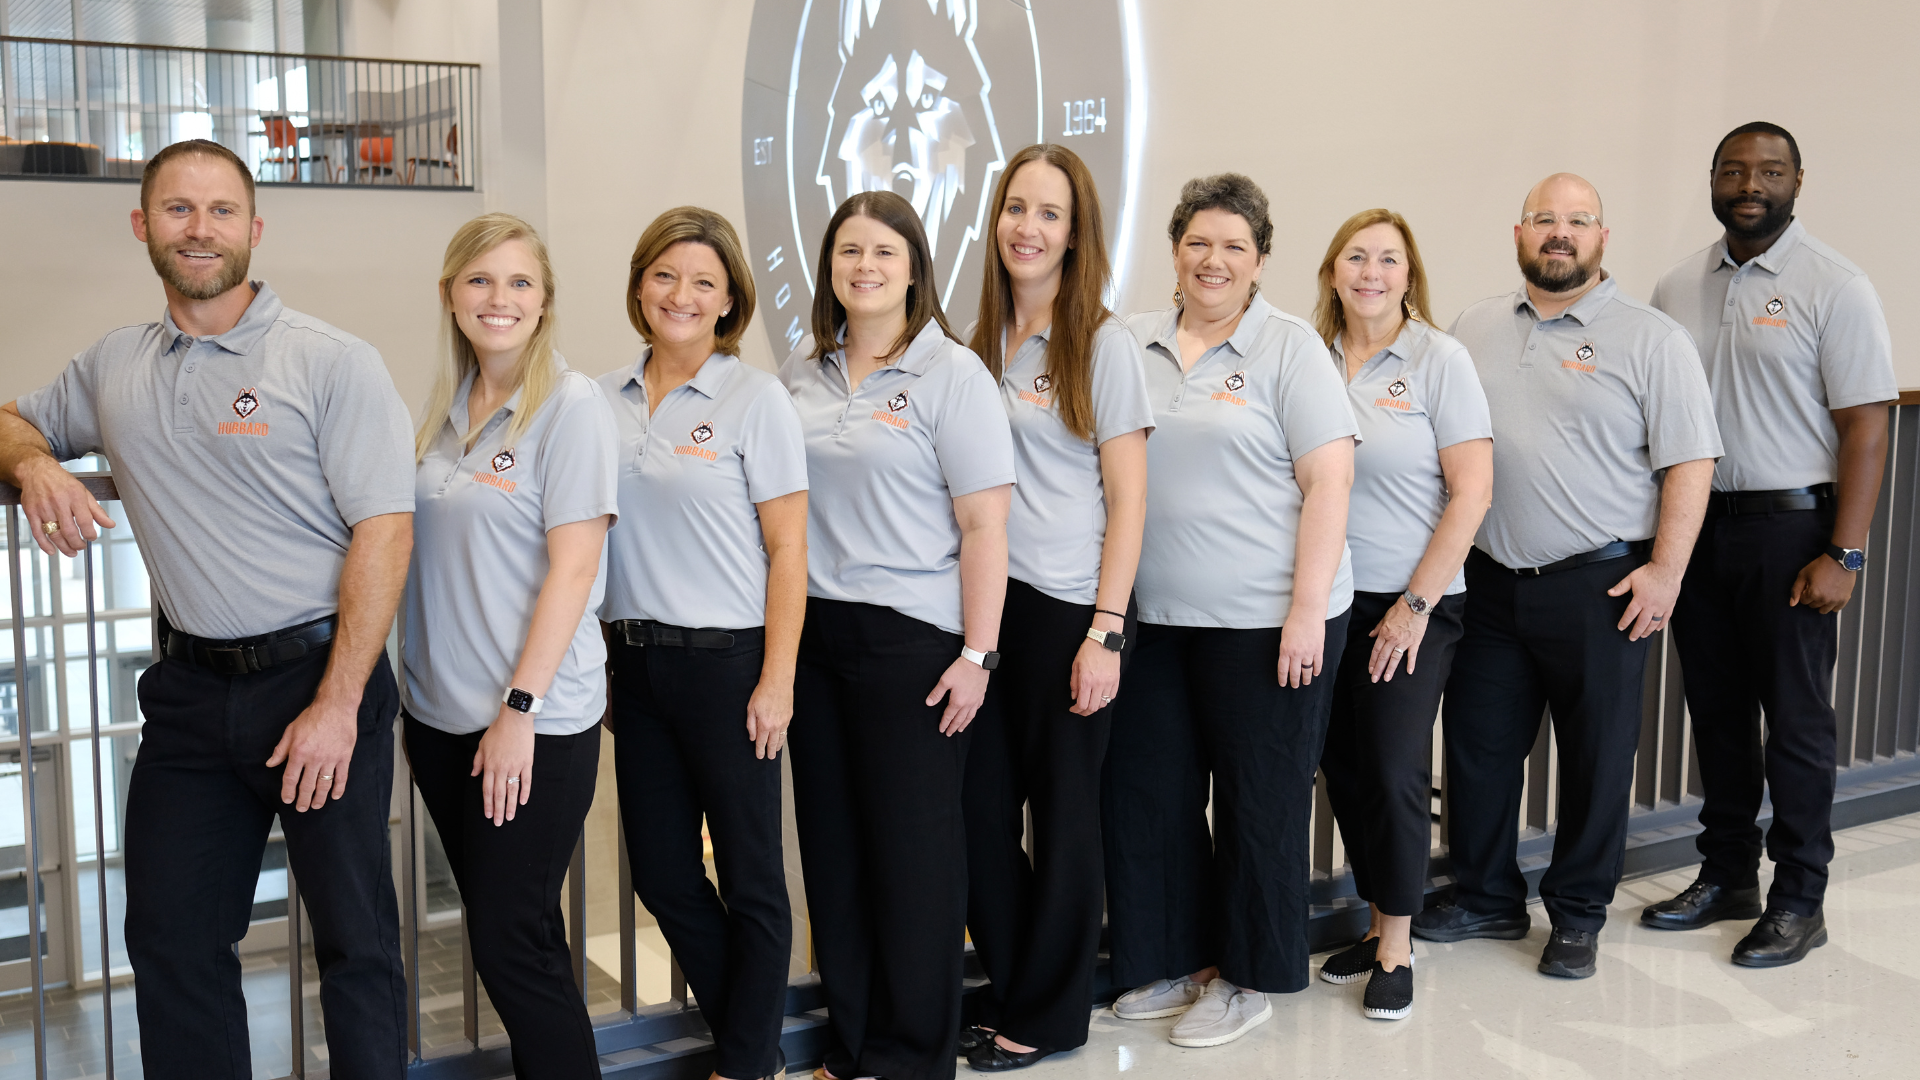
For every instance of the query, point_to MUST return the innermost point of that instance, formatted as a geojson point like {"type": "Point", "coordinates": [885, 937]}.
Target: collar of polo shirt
{"type": "Point", "coordinates": [920, 351]}
{"type": "Point", "coordinates": [1251, 320]}
{"type": "Point", "coordinates": [457, 412]}
{"type": "Point", "coordinates": [1583, 310]}
{"type": "Point", "coordinates": [709, 380]}
{"type": "Point", "coordinates": [1774, 259]}
{"type": "Point", "coordinates": [261, 312]}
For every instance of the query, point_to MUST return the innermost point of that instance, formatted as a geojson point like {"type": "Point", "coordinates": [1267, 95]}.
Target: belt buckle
{"type": "Point", "coordinates": [1528, 571]}
{"type": "Point", "coordinates": [234, 660]}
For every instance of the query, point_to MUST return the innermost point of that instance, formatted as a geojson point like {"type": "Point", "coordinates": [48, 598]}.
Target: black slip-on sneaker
{"type": "Point", "coordinates": [1350, 964]}
{"type": "Point", "coordinates": [1389, 993]}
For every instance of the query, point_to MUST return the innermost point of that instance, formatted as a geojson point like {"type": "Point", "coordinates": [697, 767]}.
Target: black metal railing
{"type": "Point", "coordinates": [96, 109]}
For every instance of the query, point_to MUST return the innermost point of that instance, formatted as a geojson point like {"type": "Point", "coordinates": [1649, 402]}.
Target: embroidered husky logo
{"type": "Point", "coordinates": [703, 432]}
{"type": "Point", "coordinates": [1397, 387]}
{"type": "Point", "coordinates": [1042, 383]}
{"type": "Point", "coordinates": [503, 460]}
{"type": "Point", "coordinates": [1775, 306]}
{"type": "Point", "coordinates": [1236, 381]}
{"type": "Point", "coordinates": [1584, 353]}
{"type": "Point", "coordinates": [898, 401]}
{"type": "Point", "coordinates": [245, 404]}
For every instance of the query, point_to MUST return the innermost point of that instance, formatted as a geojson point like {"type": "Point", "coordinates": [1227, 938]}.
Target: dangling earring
{"type": "Point", "coordinates": [1178, 300]}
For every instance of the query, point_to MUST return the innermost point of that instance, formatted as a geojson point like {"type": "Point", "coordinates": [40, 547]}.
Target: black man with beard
{"type": "Point", "coordinates": [1798, 356]}
{"type": "Point", "coordinates": [1603, 448]}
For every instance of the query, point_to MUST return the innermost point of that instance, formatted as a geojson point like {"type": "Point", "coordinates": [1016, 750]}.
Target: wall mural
{"type": "Point", "coordinates": [928, 98]}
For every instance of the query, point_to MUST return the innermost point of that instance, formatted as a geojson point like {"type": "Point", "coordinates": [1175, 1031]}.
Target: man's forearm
{"type": "Point", "coordinates": [21, 444]}
{"type": "Point", "coordinates": [1683, 504]}
{"type": "Point", "coordinates": [1863, 460]}
{"type": "Point", "coordinates": [370, 587]}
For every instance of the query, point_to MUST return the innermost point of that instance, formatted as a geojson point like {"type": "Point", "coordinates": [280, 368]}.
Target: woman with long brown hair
{"type": "Point", "coordinates": [1074, 387]}
{"type": "Point", "coordinates": [909, 471]}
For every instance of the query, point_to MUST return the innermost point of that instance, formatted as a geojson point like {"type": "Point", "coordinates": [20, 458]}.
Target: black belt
{"type": "Point", "coordinates": [648, 632]}
{"type": "Point", "coordinates": [243, 656]}
{"type": "Point", "coordinates": [1619, 549]}
{"type": "Point", "coordinates": [1770, 502]}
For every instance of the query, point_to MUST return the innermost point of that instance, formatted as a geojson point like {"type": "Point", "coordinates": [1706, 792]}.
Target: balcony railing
{"type": "Point", "coordinates": [94, 109]}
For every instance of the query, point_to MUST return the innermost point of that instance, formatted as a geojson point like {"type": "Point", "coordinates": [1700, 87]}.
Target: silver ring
{"type": "Point", "coordinates": [1104, 697]}
{"type": "Point", "coordinates": [513, 779]}
{"type": "Point", "coordinates": [1397, 652]}
{"type": "Point", "coordinates": [1656, 618]}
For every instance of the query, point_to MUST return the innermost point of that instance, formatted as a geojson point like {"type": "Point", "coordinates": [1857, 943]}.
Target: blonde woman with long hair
{"type": "Point", "coordinates": [505, 684]}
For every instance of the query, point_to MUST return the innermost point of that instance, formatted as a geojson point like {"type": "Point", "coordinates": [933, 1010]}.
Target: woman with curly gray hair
{"type": "Point", "coordinates": [1243, 589]}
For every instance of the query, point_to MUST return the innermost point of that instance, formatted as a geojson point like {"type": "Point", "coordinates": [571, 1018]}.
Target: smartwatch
{"type": "Point", "coordinates": [1852, 560]}
{"type": "Point", "coordinates": [520, 701]}
{"type": "Point", "coordinates": [987, 660]}
{"type": "Point", "coordinates": [1114, 640]}
{"type": "Point", "coordinates": [1419, 605]}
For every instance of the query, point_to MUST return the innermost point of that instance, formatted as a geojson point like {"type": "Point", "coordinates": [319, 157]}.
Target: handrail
{"type": "Point", "coordinates": [234, 52]}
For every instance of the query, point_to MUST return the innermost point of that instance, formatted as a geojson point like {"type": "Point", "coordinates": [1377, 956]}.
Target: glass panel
{"type": "Point", "coordinates": [13, 852]}
{"type": "Point", "coordinates": [39, 668]}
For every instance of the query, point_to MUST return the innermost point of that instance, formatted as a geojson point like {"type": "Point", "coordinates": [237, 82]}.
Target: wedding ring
{"type": "Point", "coordinates": [50, 527]}
{"type": "Point", "coordinates": [326, 776]}
{"type": "Point", "coordinates": [1397, 652]}
{"type": "Point", "coordinates": [1103, 697]}
{"type": "Point", "coordinates": [513, 779]}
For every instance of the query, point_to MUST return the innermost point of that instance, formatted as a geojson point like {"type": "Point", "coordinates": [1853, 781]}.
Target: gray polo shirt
{"type": "Point", "coordinates": [480, 558]}
{"type": "Point", "coordinates": [1794, 333]}
{"type": "Point", "coordinates": [1058, 522]}
{"type": "Point", "coordinates": [885, 460]}
{"type": "Point", "coordinates": [1587, 409]}
{"type": "Point", "coordinates": [689, 550]}
{"type": "Point", "coordinates": [1411, 400]}
{"type": "Point", "coordinates": [1223, 507]}
{"type": "Point", "coordinates": [244, 459]}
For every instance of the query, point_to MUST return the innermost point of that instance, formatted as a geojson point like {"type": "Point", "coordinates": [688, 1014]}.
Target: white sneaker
{"type": "Point", "coordinates": [1166, 997]}
{"type": "Point", "coordinates": [1224, 1013]}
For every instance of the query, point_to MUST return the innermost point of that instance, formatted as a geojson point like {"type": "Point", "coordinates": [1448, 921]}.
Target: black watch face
{"type": "Point", "coordinates": [927, 98]}
{"type": "Point", "coordinates": [990, 661]}
{"type": "Point", "coordinates": [1114, 641]}
{"type": "Point", "coordinates": [519, 700]}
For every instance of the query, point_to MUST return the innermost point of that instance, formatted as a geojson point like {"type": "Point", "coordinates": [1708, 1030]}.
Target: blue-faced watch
{"type": "Point", "coordinates": [1852, 560]}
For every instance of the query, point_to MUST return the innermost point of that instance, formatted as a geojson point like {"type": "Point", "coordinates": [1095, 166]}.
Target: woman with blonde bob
{"type": "Point", "coordinates": [706, 590]}
{"type": "Point", "coordinates": [1074, 388]}
{"type": "Point", "coordinates": [514, 494]}
{"type": "Point", "coordinates": [1423, 478]}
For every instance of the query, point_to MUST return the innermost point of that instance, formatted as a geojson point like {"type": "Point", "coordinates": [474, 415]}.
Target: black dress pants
{"type": "Point", "coordinates": [509, 878]}
{"type": "Point", "coordinates": [1744, 651]}
{"type": "Point", "coordinates": [876, 790]}
{"type": "Point", "coordinates": [1379, 756]}
{"type": "Point", "coordinates": [1036, 923]}
{"type": "Point", "coordinates": [1531, 643]}
{"type": "Point", "coordinates": [681, 753]}
{"type": "Point", "coordinates": [1206, 701]}
{"type": "Point", "coordinates": [199, 805]}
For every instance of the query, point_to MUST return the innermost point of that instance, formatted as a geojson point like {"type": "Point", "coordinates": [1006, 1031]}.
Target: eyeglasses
{"type": "Point", "coordinates": [1545, 221]}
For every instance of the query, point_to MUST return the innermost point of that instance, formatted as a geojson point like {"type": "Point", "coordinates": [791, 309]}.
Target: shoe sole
{"type": "Point", "coordinates": [1815, 942]}
{"type": "Point", "coordinates": [1562, 971]}
{"type": "Point", "coordinates": [1157, 1014]}
{"type": "Point", "coordinates": [1389, 1014]}
{"type": "Point", "coordinates": [1342, 980]}
{"type": "Point", "coordinates": [1220, 1040]}
{"type": "Point", "coordinates": [1653, 923]}
{"type": "Point", "coordinates": [1513, 933]}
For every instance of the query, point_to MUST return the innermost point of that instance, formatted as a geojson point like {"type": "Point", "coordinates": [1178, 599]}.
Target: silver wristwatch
{"type": "Point", "coordinates": [1419, 605]}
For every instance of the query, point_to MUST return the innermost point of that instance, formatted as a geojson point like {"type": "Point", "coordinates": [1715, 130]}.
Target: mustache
{"type": "Point", "coordinates": [1563, 247]}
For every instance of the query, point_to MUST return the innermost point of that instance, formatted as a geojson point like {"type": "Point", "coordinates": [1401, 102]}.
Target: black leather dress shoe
{"type": "Point", "coordinates": [973, 1036]}
{"type": "Point", "coordinates": [1450, 923]}
{"type": "Point", "coordinates": [990, 1056]}
{"type": "Point", "coordinates": [1701, 904]}
{"type": "Point", "coordinates": [1781, 938]}
{"type": "Point", "coordinates": [1570, 953]}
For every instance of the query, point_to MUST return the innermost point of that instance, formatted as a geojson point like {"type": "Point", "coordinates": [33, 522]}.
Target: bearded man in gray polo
{"type": "Point", "coordinates": [266, 465]}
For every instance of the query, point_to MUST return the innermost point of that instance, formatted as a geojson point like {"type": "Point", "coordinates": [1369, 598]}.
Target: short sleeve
{"type": "Point", "coordinates": [1678, 405]}
{"type": "Point", "coordinates": [1313, 406]}
{"type": "Point", "coordinates": [580, 456]}
{"type": "Point", "coordinates": [1120, 401]}
{"type": "Point", "coordinates": [365, 438]}
{"type": "Point", "coordinates": [1456, 403]}
{"type": "Point", "coordinates": [972, 440]}
{"type": "Point", "coordinates": [1856, 351]}
{"type": "Point", "coordinates": [64, 412]}
{"type": "Point", "coordinates": [773, 451]}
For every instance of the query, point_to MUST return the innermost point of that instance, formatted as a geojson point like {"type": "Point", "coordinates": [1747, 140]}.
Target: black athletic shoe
{"type": "Point", "coordinates": [1350, 964]}
{"type": "Point", "coordinates": [973, 1036]}
{"type": "Point", "coordinates": [1389, 993]}
{"type": "Point", "coordinates": [1701, 904]}
{"type": "Point", "coordinates": [1451, 923]}
{"type": "Point", "coordinates": [1570, 954]}
{"type": "Point", "coordinates": [1781, 938]}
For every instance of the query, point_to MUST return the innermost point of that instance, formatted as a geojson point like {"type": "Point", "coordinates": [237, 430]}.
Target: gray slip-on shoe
{"type": "Point", "coordinates": [1164, 997]}
{"type": "Point", "coordinates": [1224, 1013]}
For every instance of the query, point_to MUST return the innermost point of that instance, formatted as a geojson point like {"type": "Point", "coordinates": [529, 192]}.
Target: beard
{"type": "Point", "coordinates": [1775, 219]}
{"type": "Point", "coordinates": [1558, 277]}
{"type": "Point", "coordinates": [233, 261]}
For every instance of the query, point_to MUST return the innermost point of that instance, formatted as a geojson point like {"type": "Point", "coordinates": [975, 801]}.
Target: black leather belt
{"type": "Point", "coordinates": [648, 632]}
{"type": "Point", "coordinates": [244, 656]}
{"type": "Point", "coordinates": [1770, 502]}
{"type": "Point", "coordinates": [1619, 549]}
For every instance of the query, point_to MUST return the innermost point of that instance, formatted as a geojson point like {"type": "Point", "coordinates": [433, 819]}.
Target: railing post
{"type": "Point", "coordinates": [577, 912]}
{"type": "Point", "coordinates": [99, 817]}
{"type": "Point", "coordinates": [629, 969]}
{"type": "Point", "coordinates": [25, 717]}
{"type": "Point", "coordinates": [296, 976]}
{"type": "Point", "coordinates": [469, 985]}
{"type": "Point", "coordinates": [411, 911]}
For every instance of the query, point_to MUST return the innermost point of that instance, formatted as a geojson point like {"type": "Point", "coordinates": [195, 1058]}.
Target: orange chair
{"type": "Point", "coordinates": [451, 161]}
{"type": "Point", "coordinates": [283, 149]}
{"type": "Point", "coordinates": [376, 151]}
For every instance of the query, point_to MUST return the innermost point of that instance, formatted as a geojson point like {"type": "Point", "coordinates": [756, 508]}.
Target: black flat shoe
{"type": "Point", "coordinates": [972, 1037]}
{"type": "Point", "coordinates": [1350, 964]}
{"type": "Point", "coordinates": [1570, 953]}
{"type": "Point", "coordinates": [1389, 993]}
{"type": "Point", "coordinates": [1701, 904]}
{"type": "Point", "coordinates": [992, 1057]}
{"type": "Point", "coordinates": [1450, 923]}
{"type": "Point", "coordinates": [1781, 938]}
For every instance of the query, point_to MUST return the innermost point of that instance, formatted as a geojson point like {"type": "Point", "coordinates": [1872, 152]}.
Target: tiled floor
{"type": "Point", "coordinates": [1663, 1005]}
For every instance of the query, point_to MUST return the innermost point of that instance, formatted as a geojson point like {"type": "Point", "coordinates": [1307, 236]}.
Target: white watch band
{"type": "Point", "coordinates": [532, 710]}
{"type": "Point", "coordinates": [974, 656]}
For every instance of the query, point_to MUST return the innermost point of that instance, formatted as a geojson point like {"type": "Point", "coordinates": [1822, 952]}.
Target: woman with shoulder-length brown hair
{"type": "Point", "coordinates": [705, 594]}
{"type": "Point", "coordinates": [1073, 383]}
{"type": "Point", "coordinates": [1423, 478]}
{"type": "Point", "coordinates": [910, 470]}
